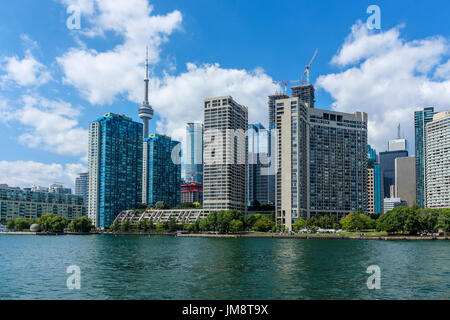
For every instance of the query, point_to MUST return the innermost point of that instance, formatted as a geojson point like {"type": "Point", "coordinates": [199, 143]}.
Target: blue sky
{"type": "Point", "coordinates": [54, 81]}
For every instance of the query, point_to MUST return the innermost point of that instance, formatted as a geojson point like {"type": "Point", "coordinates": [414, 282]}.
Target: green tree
{"type": "Point", "coordinates": [299, 224]}
{"type": "Point", "coordinates": [162, 226]}
{"type": "Point", "coordinates": [172, 225]}
{"type": "Point", "coordinates": [357, 221]}
{"type": "Point", "coordinates": [263, 224]}
{"type": "Point", "coordinates": [82, 224]}
{"type": "Point", "coordinates": [52, 223]}
{"type": "Point", "coordinates": [22, 224]}
{"type": "Point", "coordinates": [11, 224]}
{"type": "Point", "coordinates": [236, 226]}
{"type": "Point", "coordinates": [125, 226]}
{"type": "Point", "coordinates": [161, 205]}
{"type": "Point", "coordinates": [115, 226]}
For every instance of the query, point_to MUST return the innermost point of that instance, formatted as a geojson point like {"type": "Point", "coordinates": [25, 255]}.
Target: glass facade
{"type": "Point", "coordinates": [387, 165]}
{"type": "Point", "coordinates": [421, 118]}
{"type": "Point", "coordinates": [194, 153]}
{"type": "Point", "coordinates": [164, 174]}
{"type": "Point", "coordinates": [115, 167]}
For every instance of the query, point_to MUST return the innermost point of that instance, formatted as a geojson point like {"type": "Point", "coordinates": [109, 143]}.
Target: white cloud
{"type": "Point", "coordinates": [388, 77]}
{"type": "Point", "coordinates": [51, 125]}
{"type": "Point", "coordinates": [179, 99]}
{"type": "Point", "coordinates": [27, 173]}
{"type": "Point", "coordinates": [25, 72]}
{"type": "Point", "coordinates": [100, 76]}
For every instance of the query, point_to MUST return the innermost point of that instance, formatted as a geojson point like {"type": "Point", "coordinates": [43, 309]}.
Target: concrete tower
{"type": "Point", "coordinates": [146, 110]}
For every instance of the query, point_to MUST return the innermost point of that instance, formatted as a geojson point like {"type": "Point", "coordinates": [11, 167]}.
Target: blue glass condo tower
{"type": "Point", "coordinates": [164, 173]}
{"type": "Point", "coordinates": [115, 167]}
{"type": "Point", "coordinates": [421, 118]}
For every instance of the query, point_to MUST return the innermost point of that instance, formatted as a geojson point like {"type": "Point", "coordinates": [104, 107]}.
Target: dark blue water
{"type": "Point", "coordinates": [148, 267]}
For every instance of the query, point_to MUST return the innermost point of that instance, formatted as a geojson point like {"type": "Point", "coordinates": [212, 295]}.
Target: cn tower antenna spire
{"type": "Point", "coordinates": [146, 110]}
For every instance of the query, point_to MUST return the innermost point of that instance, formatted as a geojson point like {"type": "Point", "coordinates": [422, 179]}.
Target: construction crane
{"type": "Point", "coordinates": [308, 66]}
{"type": "Point", "coordinates": [286, 82]}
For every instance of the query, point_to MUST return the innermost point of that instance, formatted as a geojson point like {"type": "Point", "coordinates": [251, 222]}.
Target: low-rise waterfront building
{"type": "Point", "coordinates": [181, 216]}
{"type": "Point", "coordinates": [17, 203]}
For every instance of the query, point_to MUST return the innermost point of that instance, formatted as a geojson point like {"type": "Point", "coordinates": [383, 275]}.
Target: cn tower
{"type": "Point", "coordinates": [146, 110]}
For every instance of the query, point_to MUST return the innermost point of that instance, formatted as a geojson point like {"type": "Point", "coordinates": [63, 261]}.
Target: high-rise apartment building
{"type": "Point", "coordinates": [322, 161]}
{"type": "Point", "coordinates": [163, 171]}
{"type": "Point", "coordinates": [421, 118]}
{"type": "Point", "coordinates": [82, 186]}
{"type": "Point", "coordinates": [437, 161]}
{"type": "Point", "coordinates": [225, 154]}
{"type": "Point", "coordinates": [272, 108]}
{"type": "Point", "coordinates": [305, 93]}
{"type": "Point", "coordinates": [374, 183]}
{"type": "Point", "coordinates": [194, 153]}
{"type": "Point", "coordinates": [258, 172]}
{"type": "Point", "coordinates": [387, 165]}
{"type": "Point", "coordinates": [405, 179]}
{"type": "Point", "coordinates": [115, 167]}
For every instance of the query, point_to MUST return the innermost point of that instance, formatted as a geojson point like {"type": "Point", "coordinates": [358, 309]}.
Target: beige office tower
{"type": "Point", "coordinates": [371, 191]}
{"type": "Point", "coordinates": [321, 161]}
{"type": "Point", "coordinates": [225, 154]}
{"type": "Point", "coordinates": [437, 161]}
{"type": "Point", "coordinates": [405, 179]}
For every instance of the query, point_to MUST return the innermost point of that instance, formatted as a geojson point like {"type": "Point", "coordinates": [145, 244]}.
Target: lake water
{"type": "Point", "coordinates": [150, 267]}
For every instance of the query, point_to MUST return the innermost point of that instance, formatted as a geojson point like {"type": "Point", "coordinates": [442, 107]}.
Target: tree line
{"type": "Point", "coordinates": [51, 223]}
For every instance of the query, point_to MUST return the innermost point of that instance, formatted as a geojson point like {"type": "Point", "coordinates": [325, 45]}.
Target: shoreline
{"type": "Point", "coordinates": [334, 237]}
{"type": "Point", "coordinates": [235, 236]}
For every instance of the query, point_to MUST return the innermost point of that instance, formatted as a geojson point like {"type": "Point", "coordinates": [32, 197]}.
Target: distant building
{"type": "Point", "coordinates": [194, 153]}
{"type": "Point", "coordinates": [437, 161]}
{"type": "Point", "coordinates": [391, 203]}
{"type": "Point", "coordinates": [421, 118]}
{"type": "Point", "coordinates": [191, 193]}
{"type": "Point", "coordinates": [39, 189]}
{"type": "Point", "coordinates": [258, 175]}
{"type": "Point", "coordinates": [225, 155]}
{"type": "Point", "coordinates": [374, 183]}
{"type": "Point", "coordinates": [59, 188]}
{"type": "Point", "coordinates": [387, 165]}
{"type": "Point", "coordinates": [321, 160]}
{"type": "Point", "coordinates": [164, 174]}
{"type": "Point", "coordinates": [398, 145]}
{"type": "Point", "coordinates": [115, 167]}
{"type": "Point", "coordinates": [405, 179]}
{"type": "Point", "coordinates": [16, 203]}
{"type": "Point", "coordinates": [82, 186]}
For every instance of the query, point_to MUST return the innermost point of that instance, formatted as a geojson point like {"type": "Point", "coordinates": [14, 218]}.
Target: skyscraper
{"type": "Point", "coordinates": [305, 93]}
{"type": "Point", "coordinates": [57, 187]}
{"type": "Point", "coordinates": [82, 186]}
{"type": "Point", "coordinates": [258, 159]}
{"type": "Point", "coordinates": [115, 167]}
{"type": "Point", "coordinates": [437, 161]}
{"type": "Point", "coordinates": [322, 161]}
{"type": "Point", "coordinates": [421, 118]}
{"type": "Point", "coordinates": [225, 154]}
{"type": "Point", "coordinates": [194, 153]}
{"type": "Point", "coordinates": [374, 183]}
{"type": "Point", "coordinates": [405, 179]}
{"type": "Point", "coordinates": [272, 108]}
{"type": "Point", "coordinates": [387, 165]}
{"type": "Point", "coordinates": [163, 171]}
